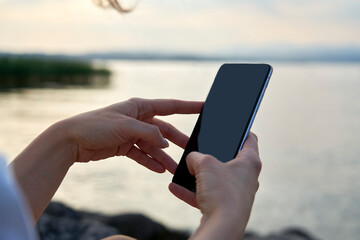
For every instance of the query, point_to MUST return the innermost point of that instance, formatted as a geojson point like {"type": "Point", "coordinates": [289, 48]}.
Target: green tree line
{"type": "Point", "coordinates": [22, 72]}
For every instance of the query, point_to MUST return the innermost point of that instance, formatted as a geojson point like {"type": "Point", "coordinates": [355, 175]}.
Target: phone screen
{"type": "Point", "coordinates": [227, 115]}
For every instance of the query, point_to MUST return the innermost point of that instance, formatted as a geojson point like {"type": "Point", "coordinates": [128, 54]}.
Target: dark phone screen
{"type": "Point", "coordinates": [226, 115]}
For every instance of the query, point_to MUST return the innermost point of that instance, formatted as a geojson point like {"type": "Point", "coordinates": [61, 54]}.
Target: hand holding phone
{"type": "Point", "coordinates": [227, 115]}
{"type": "Point", "coordinates": [225, 191]}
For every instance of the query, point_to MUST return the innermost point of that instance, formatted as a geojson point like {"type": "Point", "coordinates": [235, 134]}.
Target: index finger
{"type": "Point", "coordinates": [152, 107]}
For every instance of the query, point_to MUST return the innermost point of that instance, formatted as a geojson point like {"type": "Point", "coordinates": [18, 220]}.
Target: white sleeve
{"type": "Point", "coordinates": [15, 223]}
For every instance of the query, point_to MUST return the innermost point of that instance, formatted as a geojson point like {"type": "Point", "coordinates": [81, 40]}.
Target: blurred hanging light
{"type": "Point", "coordinates": [113, 4]}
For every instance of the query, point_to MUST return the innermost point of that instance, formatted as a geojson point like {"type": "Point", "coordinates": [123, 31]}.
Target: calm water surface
{"type": "Point", "coordinates": [309, 135]}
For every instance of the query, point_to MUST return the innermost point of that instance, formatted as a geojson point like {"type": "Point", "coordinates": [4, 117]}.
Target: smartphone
{"type": "Point", "coordinates": [227, 115]}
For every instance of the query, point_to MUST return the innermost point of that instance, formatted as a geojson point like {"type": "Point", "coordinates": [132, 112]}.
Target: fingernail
{"type": "Point", "coordinates": [165, 143]}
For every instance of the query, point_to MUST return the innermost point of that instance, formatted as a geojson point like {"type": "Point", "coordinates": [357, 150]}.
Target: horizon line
{"type": "Point", "coordinates": [320, 56]}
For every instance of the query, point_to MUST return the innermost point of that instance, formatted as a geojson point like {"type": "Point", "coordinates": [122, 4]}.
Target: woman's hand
{"type": "Point", "coordinates": [225, 191]}
{"type": "Point", "coordinates": [129, 129]}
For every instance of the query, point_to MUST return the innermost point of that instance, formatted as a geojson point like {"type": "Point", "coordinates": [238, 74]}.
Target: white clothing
{"type": "Point", "coordinates": [15, 223]}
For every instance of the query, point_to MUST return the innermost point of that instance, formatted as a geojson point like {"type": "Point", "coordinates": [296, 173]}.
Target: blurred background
{"type": "Point", "coordinates": [60, 58]}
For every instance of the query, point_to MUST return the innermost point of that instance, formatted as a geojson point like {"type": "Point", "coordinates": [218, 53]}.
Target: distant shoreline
{"type": "Point", "coordinates": [290, 56]}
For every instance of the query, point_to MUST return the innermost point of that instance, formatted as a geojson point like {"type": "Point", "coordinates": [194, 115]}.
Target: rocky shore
{"type": "Point", "coordinates": [60, 222]}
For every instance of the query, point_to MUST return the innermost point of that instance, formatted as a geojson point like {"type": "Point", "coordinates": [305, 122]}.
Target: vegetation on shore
{"type": "Point", "coordinates": [32, 72]}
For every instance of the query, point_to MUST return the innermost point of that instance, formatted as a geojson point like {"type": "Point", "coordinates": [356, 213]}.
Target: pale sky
{"type": "Point", "coordinates": [78, 26]}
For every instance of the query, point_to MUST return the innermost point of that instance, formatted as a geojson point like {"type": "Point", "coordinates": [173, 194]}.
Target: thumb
{"type": "Point", "coordinates": [194, 160]}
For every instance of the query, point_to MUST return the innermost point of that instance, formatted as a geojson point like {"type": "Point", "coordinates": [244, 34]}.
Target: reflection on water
{"type": "Point", "coordinates": [11, 84]}
{"type": "Point", "coordinates": [308, 129]}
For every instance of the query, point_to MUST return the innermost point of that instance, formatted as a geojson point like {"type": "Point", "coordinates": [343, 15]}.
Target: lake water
{"type": "Point", "coordinates": [309, 136]}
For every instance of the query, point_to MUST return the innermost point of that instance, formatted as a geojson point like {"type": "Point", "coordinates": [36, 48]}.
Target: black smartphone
{"type": "Point", "coordinates": [227, 115]}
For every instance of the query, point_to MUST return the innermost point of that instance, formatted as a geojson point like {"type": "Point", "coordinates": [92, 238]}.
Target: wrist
{"type": "Point", "coordinates": [41, 166]}
{"type": "Point", "coordinates": [52, 148]}
{"type": "Point", "coordinates": [61, 133]}
{"type": "Point", "coordinates": [221, 224]}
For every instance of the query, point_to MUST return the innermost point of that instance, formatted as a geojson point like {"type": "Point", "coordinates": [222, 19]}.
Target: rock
{"type": "Point", "coordinates": [287, 234]}
{"type": "Point", "coordinates": [251, 236]}
{"type": "Point", "coordinates": [297, 234]}
{"type": "Point", "coordinates": [60, 222]}
{"type": "Point", "coordinates": [63, 227]}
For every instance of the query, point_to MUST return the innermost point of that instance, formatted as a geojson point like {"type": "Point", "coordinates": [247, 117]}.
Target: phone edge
{"type": "Point", "coordinates": [257, 107]}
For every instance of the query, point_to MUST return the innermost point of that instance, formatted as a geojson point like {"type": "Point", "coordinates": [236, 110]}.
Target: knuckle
{"type": "Point", "coordinates": [166, 129]}
{"type": "Point", "coordinates": [254, 135]}
{"type": "Point", "coordinates": [127, 121]}
{"type": "Point", "coordinates": [154, 130]}
{"type": "Point", "coordinates": [251, 160]}
{"type": "Point", "coordinates": [134, 106]}
{"type": "Point", "coordinates": [154, 133]}
{"type": "Point", "coordinates": [135, 102]}
{"type": "Point", "coordinates": [208, 160]}
{"type": "Point", "coordinates": [135, 99]}
{"type": "Point", "coordinates": [257, 164]}
{"type": "Point", "coordinates": [257, 185]}
{"type": "Point", "coordinates": [175, 104]}
{"type": "Point", "coordinates": [142, 106]}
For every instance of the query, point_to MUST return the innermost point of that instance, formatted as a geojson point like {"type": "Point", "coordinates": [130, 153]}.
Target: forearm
{"type": "Point", "coordinates": [41, 167]}
{"type": "Point", "coordinates": [220, 226]}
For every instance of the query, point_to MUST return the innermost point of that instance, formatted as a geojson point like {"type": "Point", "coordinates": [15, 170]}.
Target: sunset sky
{"type": "Point", "coordinates": [212, 26]}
